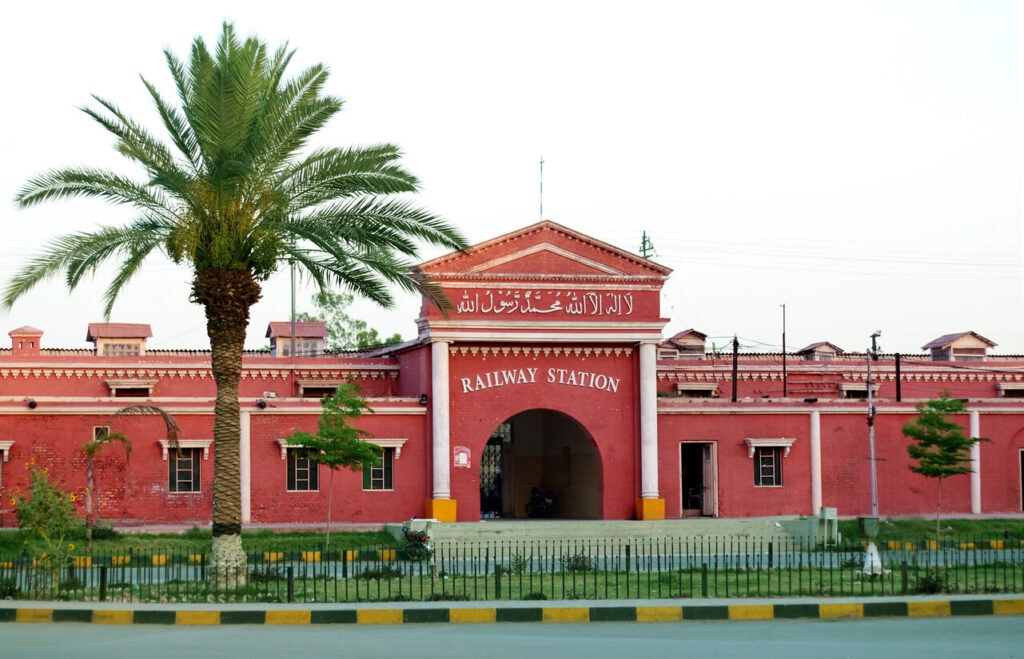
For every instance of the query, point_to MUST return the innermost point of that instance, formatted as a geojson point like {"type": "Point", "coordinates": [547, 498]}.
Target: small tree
{"type": "Point", "coordinates": [102, 439]}
{"type": "Point", "coordinates": [940, 448]}
{"type": "Point", "coordinates": [92, 498]}
{"type": "Point", "coordinates": [337, 444]}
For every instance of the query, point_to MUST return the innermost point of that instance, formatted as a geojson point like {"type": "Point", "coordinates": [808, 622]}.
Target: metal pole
{"type": "Point", "coordinates": [871, 443]}
{"type": "Point", "coordinates": [784, 351]}
{"type": "Point", "coordinates": [735, 367]}
{"type": "Point", "coordinates": [291, 347]}
{"type": "Point", "coordinates": [542, 188]}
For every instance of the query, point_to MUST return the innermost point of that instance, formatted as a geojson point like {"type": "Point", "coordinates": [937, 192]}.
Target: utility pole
{"type": "Point", "coordinates": [871, 437]}
{"type": "Point", "coordinates": [735, 364]}
{"type": "Point", "coordinates": [872, 561]}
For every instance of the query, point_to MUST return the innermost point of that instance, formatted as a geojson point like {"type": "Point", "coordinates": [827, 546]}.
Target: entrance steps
{"type": "Point", "coordinates": [699, 528]}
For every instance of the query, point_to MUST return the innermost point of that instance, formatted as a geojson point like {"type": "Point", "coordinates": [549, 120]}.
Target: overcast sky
{"type": "Point", "coordinates": [857, 161]}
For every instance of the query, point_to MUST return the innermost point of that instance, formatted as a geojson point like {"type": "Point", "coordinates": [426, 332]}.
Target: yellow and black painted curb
{"type": "Point", "coordinates": [384, 616]}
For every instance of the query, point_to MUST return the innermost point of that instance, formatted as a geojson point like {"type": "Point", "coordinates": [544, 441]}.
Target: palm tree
{"type": "Point", "coordinates": [234, 196]}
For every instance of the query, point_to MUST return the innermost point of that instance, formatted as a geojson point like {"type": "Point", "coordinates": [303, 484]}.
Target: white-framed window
{"type": "Point", "coordinates": [183, 474]}
{"type": "Point", "coordinates": [768, 466]}
{"type": "Point", "coordinates": [99, 431]}
{"type": "Point", "coordinates": [858, 389]}
{"type": "Point", "coordinates": [303, 471]}
{"type": "Point", "coordinates": [381, 476]}
{"type": "Point", "coordinates": [767, 454]}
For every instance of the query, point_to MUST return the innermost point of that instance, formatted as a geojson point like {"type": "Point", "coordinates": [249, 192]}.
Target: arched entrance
{"type": "Point", "coordinates": [545, 449]}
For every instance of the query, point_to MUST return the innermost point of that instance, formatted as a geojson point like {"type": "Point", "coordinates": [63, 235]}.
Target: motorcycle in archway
{"type": "Point", "coordinates": [541, 503]}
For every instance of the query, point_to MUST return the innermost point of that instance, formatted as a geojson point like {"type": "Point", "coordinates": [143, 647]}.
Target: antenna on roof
{"type": "Point", "coordinates": [542, 188]}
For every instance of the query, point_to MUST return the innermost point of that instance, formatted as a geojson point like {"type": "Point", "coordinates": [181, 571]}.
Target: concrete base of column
{"type": "Point", "coordinates": [650, 509]}
{"type": "Point", "coordinates": [443, 510]}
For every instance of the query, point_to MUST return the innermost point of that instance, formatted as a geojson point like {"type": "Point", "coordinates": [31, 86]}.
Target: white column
{"type": "Point", "coordinates": [815, 463]}
{"type": "Point", "coordinates": [975, 464]}
{"type": "Point", "coordinates": [648, 422]}
{"type": "Point", "coordinates": [245, 465]}
{"type": "Point", "coordinates": [442, 488]}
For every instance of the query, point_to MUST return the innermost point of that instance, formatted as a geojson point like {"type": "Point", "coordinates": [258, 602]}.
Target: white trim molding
{"type": "Point", "coordinates": [388, 443]}
{"type": "Point", "coordinates": [187, 443]}
{"type": "Point", "coordinates": [131, 383]}
{"type": "Point", "coordinates": [5, 448]}
{"type": "Point", "coordinates": [382, 443]}
{"type": "Point", "coordinates": [754, 443]}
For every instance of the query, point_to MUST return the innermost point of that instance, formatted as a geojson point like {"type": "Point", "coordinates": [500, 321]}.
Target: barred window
{"type": "Point", "coordinates": [380, 476]}
{"type": "Point", "coordinates": [768, 466]}
{"type": "Point", "coordinates": [303, 472]}
{"type": "Point", "coordinates": [183, 469]}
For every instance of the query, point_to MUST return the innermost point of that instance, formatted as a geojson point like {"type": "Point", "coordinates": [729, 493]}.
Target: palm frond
{"type": "Point", "coordinates": [98, 184]}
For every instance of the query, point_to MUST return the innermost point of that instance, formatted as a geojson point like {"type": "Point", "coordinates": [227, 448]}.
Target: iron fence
{"type": "Point", "coordinates": [606, 569]}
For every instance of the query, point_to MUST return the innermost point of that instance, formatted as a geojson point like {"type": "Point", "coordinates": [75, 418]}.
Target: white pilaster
{"type": "Point", "coordinates": [648, 422]}
{"type": "Point", "coordinates": [815, 463]}
{"type": "Point", "coordinates": [440, 409]}
{"type": "Point", "coordinates": [975, 464]}
{"type": "Point", "coordinates": [245, 464]}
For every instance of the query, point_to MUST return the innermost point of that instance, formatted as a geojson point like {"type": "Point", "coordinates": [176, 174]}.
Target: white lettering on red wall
{"type": "Point", "coordinates": [560, 376]}
{"type": "Point", "coordinates": [557, 303]}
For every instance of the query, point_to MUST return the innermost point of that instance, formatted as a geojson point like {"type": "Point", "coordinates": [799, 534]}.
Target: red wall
{"type": "Point", "coordinates": [609, 417]}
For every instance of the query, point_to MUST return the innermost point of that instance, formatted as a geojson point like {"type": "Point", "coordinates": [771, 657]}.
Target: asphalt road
{"type": "Point", "coordinates": [988, 636]}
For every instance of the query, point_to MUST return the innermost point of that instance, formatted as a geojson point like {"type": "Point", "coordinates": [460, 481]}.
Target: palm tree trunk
{"type": "Point", "coordinates": [227, 295]}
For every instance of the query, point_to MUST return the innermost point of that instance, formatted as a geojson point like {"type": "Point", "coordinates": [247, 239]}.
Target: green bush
{"type": "Point", "coordinates": [933, 582]}
{"type": "Point", "coordinates": [9, 589]}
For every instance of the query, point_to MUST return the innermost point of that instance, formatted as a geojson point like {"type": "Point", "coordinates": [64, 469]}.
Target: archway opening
{"type": "Point", "coordinates": [540, 451]}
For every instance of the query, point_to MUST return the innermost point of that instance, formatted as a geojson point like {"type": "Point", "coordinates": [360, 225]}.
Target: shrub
{"type": "Point", "coordinates": [577, 563]}
{"type": "Point", "coordinates": [933, 582]}
{"type": "Point", "coordinates": [518, 564]}
{"type": "Point", "coordinates": [382, 572]}
{"type": "Point", "coordinates": [9, 589]}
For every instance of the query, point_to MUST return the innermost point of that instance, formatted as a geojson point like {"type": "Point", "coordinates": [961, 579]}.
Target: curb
{"type": "Point", "coordinates": [555, 614]}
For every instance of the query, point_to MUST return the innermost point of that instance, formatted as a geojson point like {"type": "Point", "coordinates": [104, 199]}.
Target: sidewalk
{"type": "Point", "coordinates": [507, 611]}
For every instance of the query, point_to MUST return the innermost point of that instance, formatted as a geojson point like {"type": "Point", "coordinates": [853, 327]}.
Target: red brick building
{"type": "Point", "coordinates": [550, 370]}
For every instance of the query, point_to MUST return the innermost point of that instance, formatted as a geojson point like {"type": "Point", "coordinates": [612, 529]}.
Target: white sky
{"type": "Point", "coordinates": [857, 161]}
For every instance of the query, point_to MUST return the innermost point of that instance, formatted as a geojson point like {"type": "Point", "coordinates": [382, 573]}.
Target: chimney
{"type": "Point", "coordinates": [25, 341]}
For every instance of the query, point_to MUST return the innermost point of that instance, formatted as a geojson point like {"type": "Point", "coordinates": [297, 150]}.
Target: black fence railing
{"type": "Point", "coordinates": [531, 570]}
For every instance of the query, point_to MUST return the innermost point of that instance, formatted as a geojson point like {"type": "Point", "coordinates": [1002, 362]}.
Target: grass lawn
{"type": "Point", "coordinates": [196, 540]}
{"type": "Point", "coordinates": [923, 528]}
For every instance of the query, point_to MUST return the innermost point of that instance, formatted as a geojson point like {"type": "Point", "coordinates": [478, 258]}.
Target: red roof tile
{"type": "Point", "coordinates": [118, 331]}
{"type": "Point", "coordinates": [307, 329]}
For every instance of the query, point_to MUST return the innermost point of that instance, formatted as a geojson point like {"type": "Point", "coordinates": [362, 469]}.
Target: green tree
{"type": "Point", "coordinates": [235, 195]}
{"type": "Point", "coordinates": [343, 331]}
{"type": "Point", "coordinates": [940, 447]}
{"type": "Point", "coordinates": [337, 444]}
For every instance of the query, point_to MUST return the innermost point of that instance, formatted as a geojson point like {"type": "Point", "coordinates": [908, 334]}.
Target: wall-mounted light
{"type": "Point", "coordinates": [810, 400]}
{"type": "Point", "coordinates": [262, 404]}
{"type": "Point", "coordinates": [424, 399]}
{"type": "Point", "coordinates": [32, 404]}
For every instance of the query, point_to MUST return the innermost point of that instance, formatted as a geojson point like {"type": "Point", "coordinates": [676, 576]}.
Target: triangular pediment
{"type": "Point", "coordinates": [544, 283]}
{"type": "Point", "coordinates": [545, 250]}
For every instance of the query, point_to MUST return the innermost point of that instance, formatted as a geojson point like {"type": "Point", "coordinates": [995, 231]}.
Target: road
{"type": "Point", "coordinates": [989, 636]}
